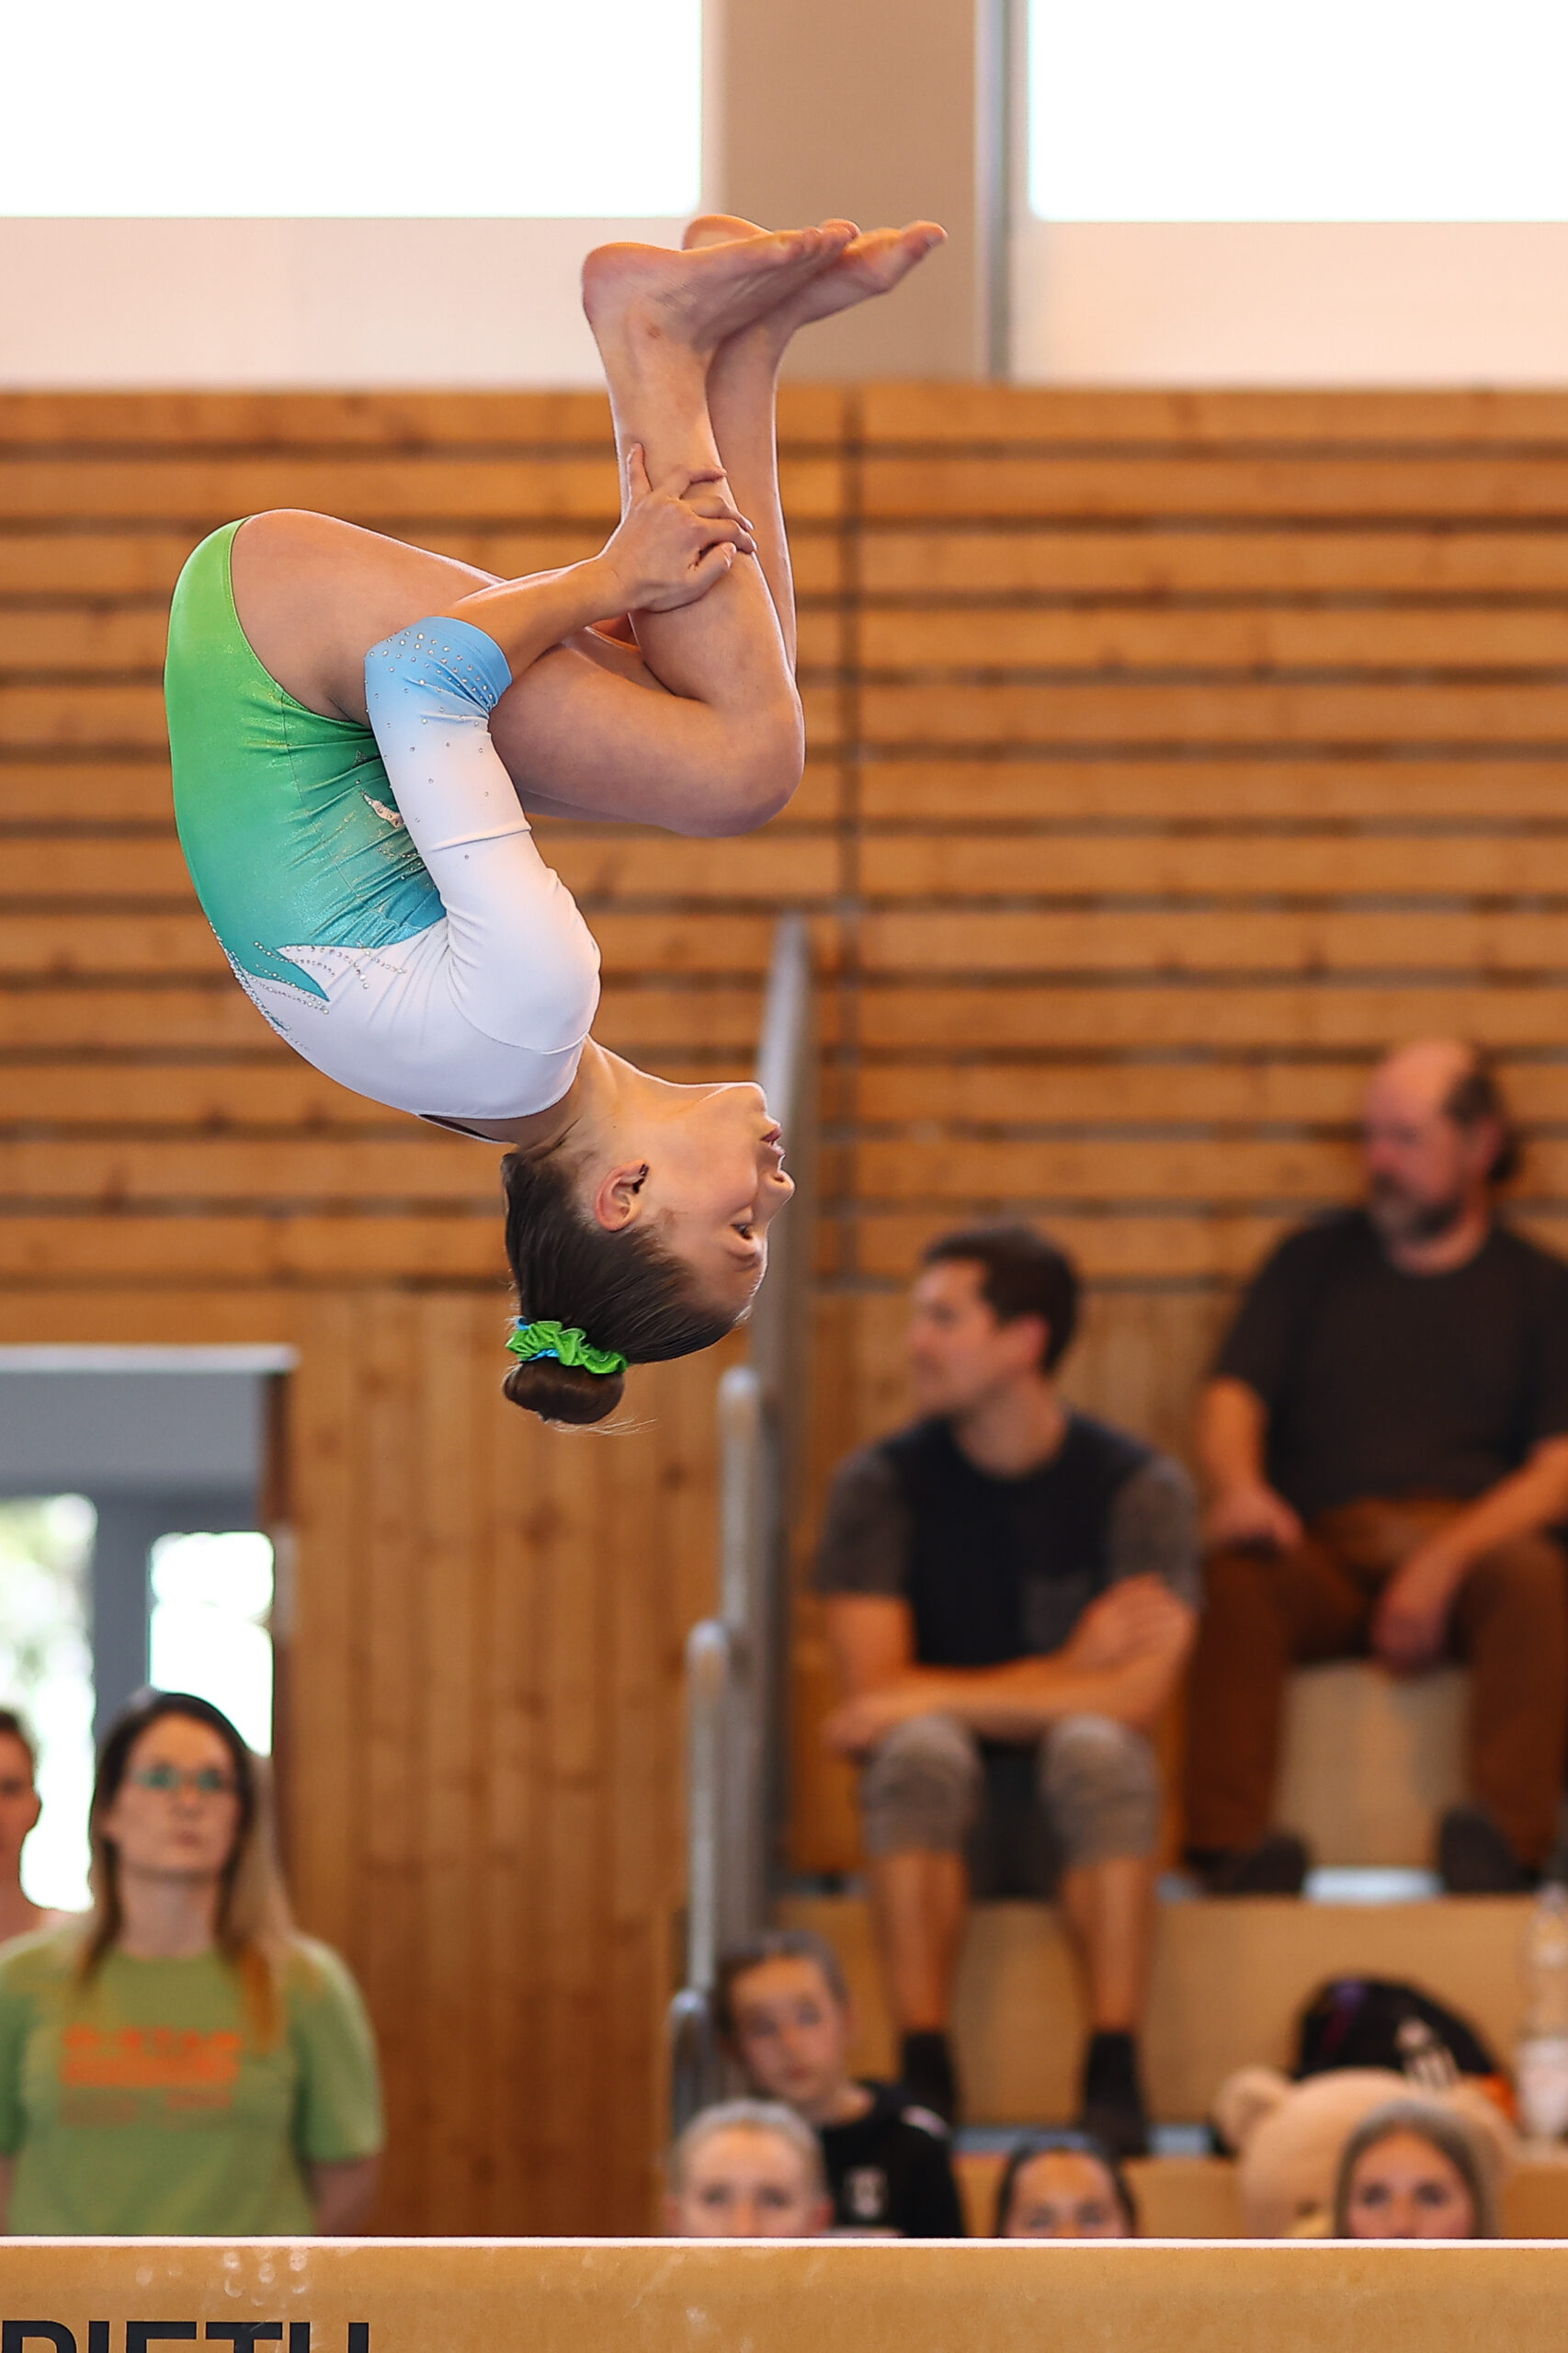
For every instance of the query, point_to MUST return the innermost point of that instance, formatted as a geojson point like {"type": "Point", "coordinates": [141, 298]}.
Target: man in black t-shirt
{"type": "Point", "coordinates": [783, 2011]}
{"type": "Point", "coordinates": [1009, 1590]}
{"type": "Point", "coordinates": [1386, 1437]}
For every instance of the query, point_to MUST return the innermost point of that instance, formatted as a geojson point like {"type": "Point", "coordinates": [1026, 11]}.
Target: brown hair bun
{"type": "Point", "coordinates": [563, 1392]}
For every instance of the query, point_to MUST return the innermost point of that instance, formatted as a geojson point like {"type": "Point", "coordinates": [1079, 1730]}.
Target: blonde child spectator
{"type": "Point", "coordinates": [747, 2169]}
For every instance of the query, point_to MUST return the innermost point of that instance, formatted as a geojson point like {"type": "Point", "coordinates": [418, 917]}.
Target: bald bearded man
{"type": "Point", "coordinates": [1385, 1439]}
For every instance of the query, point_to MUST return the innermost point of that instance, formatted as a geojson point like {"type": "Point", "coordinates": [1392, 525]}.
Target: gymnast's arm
{"type": "Point", "coordinates": [672, 545]}
{"type": "Point", "coordinates": [518, 964]}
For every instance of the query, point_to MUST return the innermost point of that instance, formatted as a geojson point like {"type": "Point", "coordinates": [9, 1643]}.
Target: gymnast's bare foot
{"type": "Point", "coordinates": [649, 296]}
{"type": "Point", "coordinates": [872, 262]}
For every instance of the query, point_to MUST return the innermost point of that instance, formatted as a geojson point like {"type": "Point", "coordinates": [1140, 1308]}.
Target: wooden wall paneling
{"type": "Point", "coordinates": [575, 1830]}
{"type": "Point", "coordinates": [1171, 755]}
{"type": "Point", "coordinates": [510, 1696]}
{"type": "Point", "coordinates": [332, 1598]}
{"type": "Point", "coordinates": [386, 1862]}
{"type": "Point", "coordinates": [453, 1571]}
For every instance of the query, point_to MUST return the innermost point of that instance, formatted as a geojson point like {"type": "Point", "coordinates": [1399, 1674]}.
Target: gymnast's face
{"type": "Point", "coordinates": [711, 1182]}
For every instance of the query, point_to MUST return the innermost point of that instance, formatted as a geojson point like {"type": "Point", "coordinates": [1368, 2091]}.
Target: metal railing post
{"type": "Point", "coordinates": [734, 1661]}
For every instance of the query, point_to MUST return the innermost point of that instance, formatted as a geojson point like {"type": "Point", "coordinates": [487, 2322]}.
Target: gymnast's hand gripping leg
{"type": "Point", "coordinates": [730, 653]}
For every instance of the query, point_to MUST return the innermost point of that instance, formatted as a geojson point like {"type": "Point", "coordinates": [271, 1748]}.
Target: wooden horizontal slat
{"type": "Point", "coordinates": [141, 564]}
{"type": "Point", "coordinates": [1231, 712]}
{"type": "Point", "coordinates": [420, 1163]}
{"type": "Point", "coordinates": [1065, 865]}
{"type": "Point", "coordinates": [1143, 1169]}
{"type": "Point", "coordinates": [108, 790]}
{"type": "Point", "coordinates": [1072, 485]}
{"type": "Point", "coordinates": [146, 866]}
{"type": "Point", "coordinates": [604, 862]}
{"type": "Point", "coordinates": [55, 946]}
{"type": "Point", "coordinates": [279, 1091]}
{"type": "Point", "coordinates": [1015, 1093]}
{"type": "Point", "coordinates": [183, 1016]}
{"type": "Point", "coordinates": [1224, 1247]}
{"type": "Point", "coordinates": [948, 792]}
{"type": "Point", "coordinates": [1016, 413]}
{"type": "Point", "coordinates": [1155, 563]}
{"type": "Point", "coordinates": [397, 420]}
{"type": "Point", "coordinates": [68, 638]}
{"type": "Point", "coordinates": [253, 1250]}
{"type": "Point", "coordinates": [1337, 1016]}
{"type": "Point", "coordinates": [1467, 637]}
{"type": "Point", "coordinates": [377, 489]}
{"type": "Point", "coordinates": [1235, 940]}
{"type": "Point", "coordinates": [130, 717]}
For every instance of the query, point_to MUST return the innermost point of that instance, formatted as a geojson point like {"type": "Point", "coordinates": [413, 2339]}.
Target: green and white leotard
{"type": "Point", "coordinates": [377, 890]}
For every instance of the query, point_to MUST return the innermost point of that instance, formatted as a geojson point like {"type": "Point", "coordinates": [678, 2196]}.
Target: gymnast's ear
{"type": "Point", "coordinates": [616, 1198]}
{"type": "Point", "coordinates": [563, 1392]}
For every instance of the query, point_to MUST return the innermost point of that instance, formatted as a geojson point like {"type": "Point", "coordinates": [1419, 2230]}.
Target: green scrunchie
{"type": "Point", "coordinates": [566, 1344]}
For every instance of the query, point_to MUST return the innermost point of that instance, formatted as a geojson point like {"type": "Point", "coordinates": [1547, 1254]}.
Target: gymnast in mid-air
{"type": "Point", "coordinates": [357, 725]}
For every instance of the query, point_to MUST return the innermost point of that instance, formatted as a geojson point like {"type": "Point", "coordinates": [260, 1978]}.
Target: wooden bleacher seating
{"type": "Point", "coordinates": [1369, 1763]}
{"type": "Point", "coordinates": [1230, 1979]}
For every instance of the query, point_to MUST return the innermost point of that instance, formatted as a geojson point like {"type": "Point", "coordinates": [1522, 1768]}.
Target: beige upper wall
{"type": "Point", "coordinates": [865, 108]}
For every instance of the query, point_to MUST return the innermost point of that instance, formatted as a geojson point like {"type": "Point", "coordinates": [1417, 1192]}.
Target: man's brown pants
{"type": "Point", "coordinates": [1266, 1612]}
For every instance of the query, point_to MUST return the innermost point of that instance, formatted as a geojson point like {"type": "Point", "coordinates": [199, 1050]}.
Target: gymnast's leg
{"type": "Point", "coordinates": [743, 378]}
{"type": "Point", "coordinates": [741, 387]}
{"type": "Point", "coordinates": [719, 667]}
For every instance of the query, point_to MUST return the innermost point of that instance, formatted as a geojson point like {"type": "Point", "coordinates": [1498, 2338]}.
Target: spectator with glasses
{"type": "Point", "coordinates": [182, 2063]}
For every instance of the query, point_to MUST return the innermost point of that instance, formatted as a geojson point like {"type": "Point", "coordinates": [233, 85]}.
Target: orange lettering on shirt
{"type": "Point", "coordinates": [156, 2058]}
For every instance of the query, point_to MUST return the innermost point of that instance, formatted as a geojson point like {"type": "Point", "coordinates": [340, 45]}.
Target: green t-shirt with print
{"type": "Point", "coordinates": [142, 2104]}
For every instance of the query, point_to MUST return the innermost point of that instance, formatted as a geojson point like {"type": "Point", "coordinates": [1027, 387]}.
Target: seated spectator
{"type": "Point", "coordinates": [1009, 1596]}
{"type": "Point", "coordinates": [1063, 2185]}
{"type": "Point", "coordinates": [181, 2062]}
{"type": "Point", "coordinates": [747, 2169]}
{"type": "Point", "coordinates": [784, 2011]}
{"type": "Point", "coordinates": [19, 1811]}
{"type": "Point", "coordinates": [1386, 1437]}
{"type": "Point", "coordinates": [1414, 2171]}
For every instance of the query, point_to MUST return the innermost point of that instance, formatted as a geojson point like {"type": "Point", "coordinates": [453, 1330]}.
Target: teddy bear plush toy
{"type": "Point", "coordinates": [1288, 2137]}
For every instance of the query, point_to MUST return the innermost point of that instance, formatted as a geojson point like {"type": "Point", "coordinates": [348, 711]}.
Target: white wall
{"type": "Point", "coordinates": [300, 302]}
{"type": "Point", "coordinates": [1203, 303]}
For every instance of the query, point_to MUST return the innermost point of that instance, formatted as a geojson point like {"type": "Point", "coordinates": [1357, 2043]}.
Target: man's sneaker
{"type": "Point", "coordinates": [1278, 1865]}
{"type": "Point", "coordinates": [1474, 1856]}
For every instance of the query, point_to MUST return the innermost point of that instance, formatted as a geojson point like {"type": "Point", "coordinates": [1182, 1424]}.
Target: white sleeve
{"type": "Point", "coordinates": [521, 965]}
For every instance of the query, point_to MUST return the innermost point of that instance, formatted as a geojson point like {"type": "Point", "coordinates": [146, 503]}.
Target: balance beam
{"type": "Point", "coordinates": [836, 2296]}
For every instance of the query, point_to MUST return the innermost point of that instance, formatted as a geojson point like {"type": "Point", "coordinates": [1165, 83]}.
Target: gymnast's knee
{"type": "Point", "coordinates": [1100, 1783]}
{"type": "Point", "coordinates": [756, 770]}
{"type": "Point", "coordinates": [920, 1787]}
